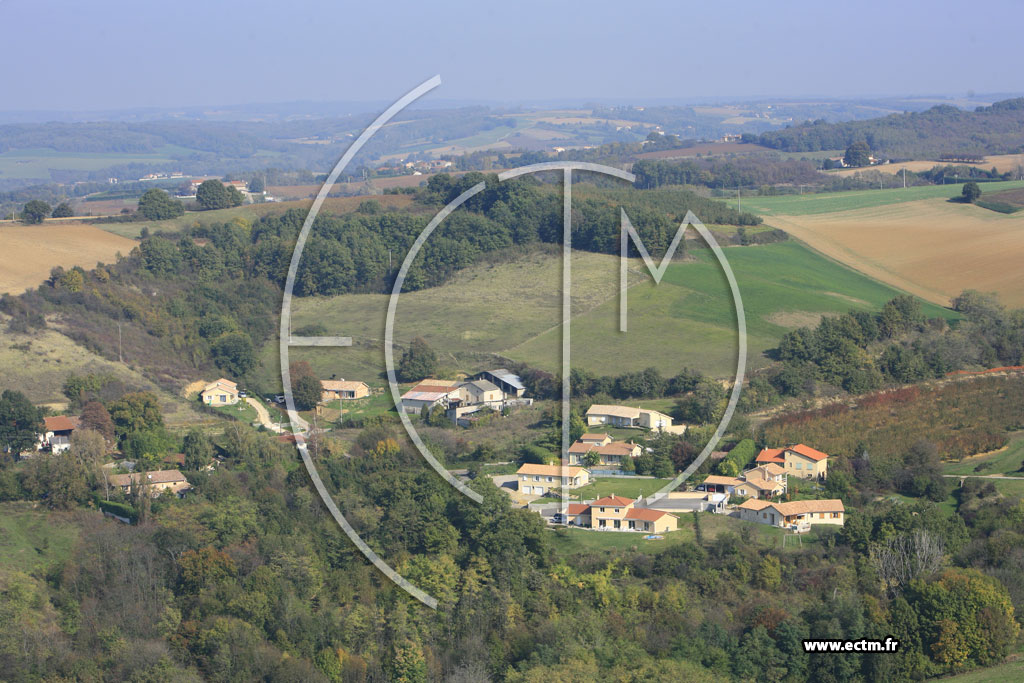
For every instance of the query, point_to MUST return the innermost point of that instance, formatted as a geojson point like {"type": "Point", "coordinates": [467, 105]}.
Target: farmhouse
{"type": "Point", "coordinates": [223, 392]}
{"type": "Point", "coordinates": [333, 390]}
{"type": "Point", "coordinates": [799, 460]}
{"type": "Point", "coordinates": [56, 436]}
{"type": "Point", "coordinates": [798, 515]}
{"type": "Point", "coordinates": [480, 392]}
{"type": "Point", "coordinates": [510, 384]}
{"type": "Point", "coordinates": [624, 416]}
{"type": "Point", "coordinates": [158, 481]}
{"type": "Point", "coordinates": [429, 393]}
{"type": "Point", "coordinates": [539, 479]}
{"type": "Point", "coordinates": [609, 454]}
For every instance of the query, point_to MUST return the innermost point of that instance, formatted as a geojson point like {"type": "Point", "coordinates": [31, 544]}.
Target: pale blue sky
{"type": "Point", "coordinates": [61, 54]}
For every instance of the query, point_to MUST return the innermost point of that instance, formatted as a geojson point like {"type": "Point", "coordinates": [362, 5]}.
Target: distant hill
{"type": "Point", "coordinates": [941, 130]}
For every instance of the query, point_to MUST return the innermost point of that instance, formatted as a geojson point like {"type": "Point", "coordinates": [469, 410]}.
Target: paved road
{"type": "Point", "coordinates": [978, 476]}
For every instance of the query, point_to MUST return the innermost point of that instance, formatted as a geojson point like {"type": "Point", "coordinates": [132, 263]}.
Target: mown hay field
{"type": "Point", "coordinates": [932, 248]}
{"type": "Point", "coordinates": [30, 251]}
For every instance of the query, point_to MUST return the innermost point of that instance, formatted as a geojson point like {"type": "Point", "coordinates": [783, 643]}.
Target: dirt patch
{"type": "Point", "coordinates": [30, 251]}
{"type": "Point", "coordinates": [794, 319]}
{"type": "Point", "coordinates": [851, 299]}
{"type": "Point", "coordinates": [192, 389]}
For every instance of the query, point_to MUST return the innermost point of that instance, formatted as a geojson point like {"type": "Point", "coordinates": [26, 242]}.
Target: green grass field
{"type": "Point", "coordinates": [1010, 671]}
{"type": "Point", "coordinates": [373, 405]}
{"type": "Point", "coordinates": [36, 163]}
{"type": "Point", "coordinates": [512, 309]}
{"type": "Point", "coordinates": [1008, 460]}
{"type": "Point", "coordinates": [572, 541]}
{"type": "Point", "coordinates": [829, 202]}
{"type": "Point", "coordinates": [33, 540]}
{"type": "Point", "coordinates": [242, 411]}
{"type": "Point", "coordinates": [618, 486]}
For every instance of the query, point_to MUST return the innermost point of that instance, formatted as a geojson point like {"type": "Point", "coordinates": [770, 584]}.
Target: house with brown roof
{"type": "Point", "coordinates": [716, 483]}
{"type": "Point", "coordinates": [609, 454]}
{"type": "Point", "coordinates": [616, 513]}
{"type": "Point", "coordinates": [481, 392]}
{"type": "Point", "coordinates": [799, 460]}
{"type": "Point", "coordinates": [798, 515]}
{"type": "Point", "coordinates": [340, 389]}
{"type": "Point", "coordinates": [56, 436]}
{"type": "Point", "coordinates": [157, 481]}
{"type": "Point", "coordinates": [537, 479]}
{"type": "Point", "coordinates": [625, 416]}
{"type": "Point", "coordinates": [222, 392]}
{"type": "Point", "coordinates": [429, 393]}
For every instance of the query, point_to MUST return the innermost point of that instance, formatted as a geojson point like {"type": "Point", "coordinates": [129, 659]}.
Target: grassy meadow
{"type": "Point", "coordinates": [34, 540]}
{"type": "Point", "coordinates": [512, 309]}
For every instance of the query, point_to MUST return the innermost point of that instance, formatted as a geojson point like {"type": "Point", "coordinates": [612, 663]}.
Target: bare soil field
{"type": "Point", "coordinates": [1012, 197]}
{"type": "Point", "coordinates": [104, 207]}
{"type": "Point", "coordinates": [1002, 162]}
{"type": "Point", "coordinates": [932, 248]}
{"type": "Point", "coordinates": [30, 251]}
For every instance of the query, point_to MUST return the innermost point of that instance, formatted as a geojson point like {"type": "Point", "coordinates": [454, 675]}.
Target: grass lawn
{"type": "Point", "coordinates": [241, 411]}
{"type": "Point", "coordinates": [378, 403]}
{"type": "Point", "coordinates": [573, 541]}
{"type": "Point", "coordinates": [1007, 460]}
{"type": "Point", "coordinates": [1009, 487]}
{"type": "Point", "coordinates": [829, 202]}
{"type": "Point", "coordinates": [631, 487]}
{"type": "Point", "coordinates": [1010, 671]}
{"type": "Point", "coordinates": [33, 539]}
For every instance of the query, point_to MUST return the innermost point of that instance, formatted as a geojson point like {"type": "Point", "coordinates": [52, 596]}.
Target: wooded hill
{"type": "Point", "coordinates": [941, 130]}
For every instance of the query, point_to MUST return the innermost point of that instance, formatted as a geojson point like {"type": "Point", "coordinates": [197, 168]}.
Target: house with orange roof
{"type": "Point", "coordinates": [222, 392]}
{"type": "Point", "coordinates": [617, 513]}
{"type": "Point", "coordinates": [798, 515]}
{"type": "Point", "coordinates": [537, 480]}
{"type": "Point", "coordinates": [799, 460]}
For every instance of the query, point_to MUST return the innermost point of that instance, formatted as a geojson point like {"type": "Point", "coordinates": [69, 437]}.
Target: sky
{"type": "Point", "coordinates": [118, 54]}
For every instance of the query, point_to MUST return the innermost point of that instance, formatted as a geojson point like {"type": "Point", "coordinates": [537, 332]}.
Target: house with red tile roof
{"type": "Point", "coordinates": [616, 513]}
{"type": "Point", "coordinates": [799, 460]}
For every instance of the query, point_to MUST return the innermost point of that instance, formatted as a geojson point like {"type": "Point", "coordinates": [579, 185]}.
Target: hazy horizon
{"type": "Point", "coordinates": [196, 55]}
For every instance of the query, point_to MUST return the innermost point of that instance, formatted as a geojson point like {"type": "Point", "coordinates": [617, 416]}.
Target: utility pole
{"type": "Point", "coordinates": [904, 177]}
{"type": "Point", "coordinates": [739, 200]}
{"type": "Point", "coordinates": [120, 358]}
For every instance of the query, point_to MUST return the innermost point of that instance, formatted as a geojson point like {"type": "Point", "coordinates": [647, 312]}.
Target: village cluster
{"type": "Point", "coordinates": [759, 494]}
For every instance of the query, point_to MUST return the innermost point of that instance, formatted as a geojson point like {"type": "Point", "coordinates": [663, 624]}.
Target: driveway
{"type": "Point", "coordinates": [264, 416]}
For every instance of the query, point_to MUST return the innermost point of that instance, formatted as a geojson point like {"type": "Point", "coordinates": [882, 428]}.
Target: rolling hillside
{"type": "Point", "coordinates": [512, 310]}
{"type": "Point", "coordinates": [912, 239]}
